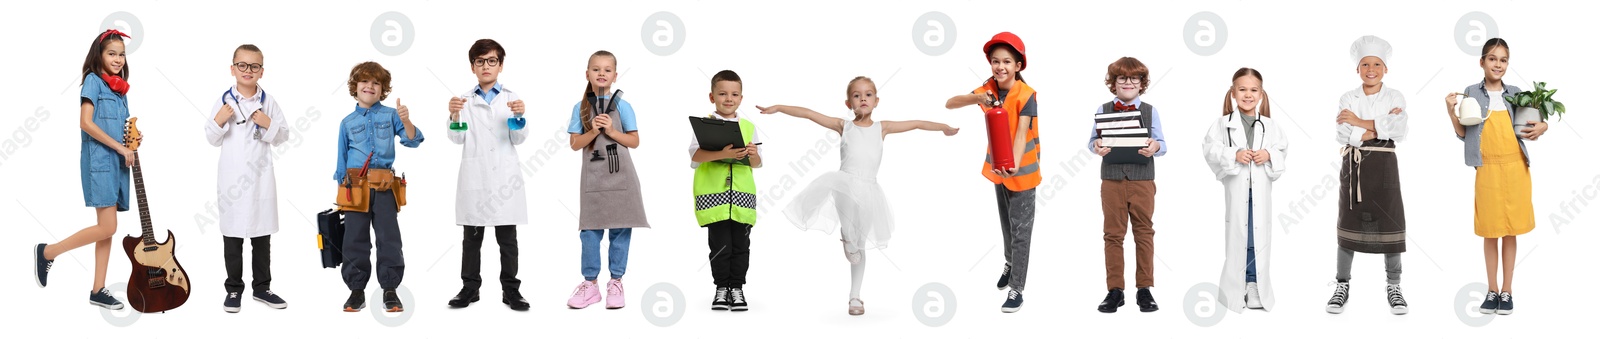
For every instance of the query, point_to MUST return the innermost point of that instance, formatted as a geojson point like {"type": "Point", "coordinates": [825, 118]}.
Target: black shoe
{"type": "Point", "coordinates": [720, 301]}
{"type": "Point", "coordinates": [104, 299]}
{"type": "Point", "coordinates": [357, 301]}
{"type": "Point", "coordinates": [391, 301]}
{"type": "Point", "coordinates": [1013, 302]}
{"type": "Point", "coordinates": [1005, 278]}
{"type": "Point", "coordinates": [1341, 294]}
{"type": "Point", "coordinates": [1397, 302]}
{"type": "Point", "coordinates": [1146, 302]}
{"type": "Point", "coordinates": [1505, 304]}
{"type": "Point", "coordinates": [511, 298]}
{"type": "Point", "coordinates": [1491, 303]}
{"type": "Point", "coordinates": [736, 301]}
{"type": "Point", "coordinates": [231, 303]}
{"type": "Point", "coordinates": [271, 299]}
{"type": "Point", "coordinates": [1113, 300]}
{"type": "Point", "coordinates": [464, 298]}
{"type": "Point", "coordinates": [41, 270]}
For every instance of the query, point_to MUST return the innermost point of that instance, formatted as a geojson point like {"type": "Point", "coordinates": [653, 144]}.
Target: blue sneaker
{"type": "Point", "coordinates": [1505, 304]}
{"type": "Point", "coordinates": [104, 299]}
{"type": "Point", "coordinates": [271, 299]}
{"type": "Point", "coordinates": [1013, 302]}
{"type": "Point", "coordinates": [1491, 302]}
{"type": "Point", "coordinates": [41, 270]}
{"type": "Point", "coordinates": [231, 304]}
{"type": "Point", "coordinates": [1005, 278]}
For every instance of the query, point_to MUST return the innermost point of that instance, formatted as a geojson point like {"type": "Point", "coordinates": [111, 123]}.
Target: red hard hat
{"type": "Point", "coordinates": [1009, 39]}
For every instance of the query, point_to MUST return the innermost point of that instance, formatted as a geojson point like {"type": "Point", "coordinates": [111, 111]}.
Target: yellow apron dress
{"type": "Point", "coordinates": [1504, 197]}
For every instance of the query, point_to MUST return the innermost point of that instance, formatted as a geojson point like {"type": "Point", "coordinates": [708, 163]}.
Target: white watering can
{"type": "Point", "coordinates": [1468, 111]}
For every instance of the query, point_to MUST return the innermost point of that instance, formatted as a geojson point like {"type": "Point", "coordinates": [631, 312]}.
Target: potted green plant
{"type": "Point", "coordinates": [1535, 105]}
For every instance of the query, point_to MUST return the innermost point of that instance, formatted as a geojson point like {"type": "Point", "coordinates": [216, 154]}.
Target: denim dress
{"type": "Point", "coordinates": [105, 180]}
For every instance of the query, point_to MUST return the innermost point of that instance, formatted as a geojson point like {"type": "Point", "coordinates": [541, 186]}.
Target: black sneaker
{"type": "Point", "coordinates": [231, 303]}
{"type": "Point", "coordinates": [356, 302]}
{"type": "Point", "coordinates": [391, 301]}
{"type": "Point", "coordinates": [1505, 304]}
{"type": "Point", "coordinates": [1397, 302]}
{"type": "Point", "coordinates": [271, 299]}
{"type": "Point", "coordinates": [465, 298]}
{"type": "Point", "coordinates": [104, 299]}
{"type": "Point", "coordinates": [736, 301]}
{"type": "Point", "coordinates": [41, 270]}
{"type": "Point", "coordinates": [511, 298]}
{"type": "Point", "coordinates": [720, 302]}
{"type": "Point", "coordinates": [1005, 278]}
{"type": "Point", "coordinates": [1341, 293]}
{"type": "Point", "coordinates": [1013, 302]}
{"type": "Point", "coordinates": [1491, 302]}
{"type": "Point", "coordinates": [1114, 299]}
{"type": "Point", "coordinates": [1147, 303]}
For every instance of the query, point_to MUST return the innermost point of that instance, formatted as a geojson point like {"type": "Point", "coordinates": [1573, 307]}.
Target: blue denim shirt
{"type": "Point", "coordinates": [1472, 139]}
{"type": "Point", "coordinates": [370, 131]}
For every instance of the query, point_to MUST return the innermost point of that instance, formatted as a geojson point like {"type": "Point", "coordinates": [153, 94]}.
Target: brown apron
{"type": "Point", "coordinates": [356, 190]}
{"type": "Point", "coordinates": [610, 193]}
{"type": "Point", "coordinates": [1372, 217]}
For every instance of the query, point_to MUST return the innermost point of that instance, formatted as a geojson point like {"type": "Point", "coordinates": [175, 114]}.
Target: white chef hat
{"type": "Point", "coordinates": [1370, 46]}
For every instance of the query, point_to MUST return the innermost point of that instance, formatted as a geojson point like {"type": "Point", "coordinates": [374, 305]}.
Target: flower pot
{"type": "Point", "coordinates": [1524, 117]}
{"type": "Point", "coordinates": [1468, 112]}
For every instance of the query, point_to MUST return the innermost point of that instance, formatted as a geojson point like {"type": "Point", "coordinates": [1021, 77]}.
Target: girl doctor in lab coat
{"type": "Point", "coordinates": [1247, 151]}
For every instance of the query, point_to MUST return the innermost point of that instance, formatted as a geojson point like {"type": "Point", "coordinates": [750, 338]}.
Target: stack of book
{"type": "Point", "coordinates": [1125, 133]}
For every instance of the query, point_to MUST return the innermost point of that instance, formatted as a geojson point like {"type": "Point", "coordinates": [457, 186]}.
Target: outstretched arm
{"type": "Point", "coordinates": [892, 127]}
{"type": "Point", "coordinates": [832, 123]}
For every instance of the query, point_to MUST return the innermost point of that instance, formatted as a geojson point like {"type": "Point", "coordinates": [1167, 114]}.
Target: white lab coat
{"type": "Point", "coordinates": [1237, 181]}
{"type": "Point", "coordinates": [247, 197]}
{"type": "Point", "coordinates": [490, 190]}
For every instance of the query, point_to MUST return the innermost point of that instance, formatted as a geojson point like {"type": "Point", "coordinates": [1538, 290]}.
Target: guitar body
{"type": "Point", "coordinates": [158, 282]}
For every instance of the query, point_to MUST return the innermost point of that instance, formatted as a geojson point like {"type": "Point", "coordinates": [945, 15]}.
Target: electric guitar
{"type": "Point", "coordinates": [158, 283]}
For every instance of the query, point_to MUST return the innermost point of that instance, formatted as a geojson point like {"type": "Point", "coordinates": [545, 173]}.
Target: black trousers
{"type": "Point", "coordinates": [472, 256]}
{"type": "Point", "coordinates": [730, 252]}
{"type": "Point", "coordinates": [381, 219]}
{"type": "Point", "coordinates": [260, 263]}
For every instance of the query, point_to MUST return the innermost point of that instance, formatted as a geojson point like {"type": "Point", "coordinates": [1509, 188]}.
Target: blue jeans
{"type": "Point", "coordinates": [620, 237]}
{"type": "Point", "coordinates": [1250, 240]}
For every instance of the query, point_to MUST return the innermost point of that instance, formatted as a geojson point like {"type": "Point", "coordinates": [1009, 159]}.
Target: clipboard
{"type": "Point", "coordinates": [714, 134]}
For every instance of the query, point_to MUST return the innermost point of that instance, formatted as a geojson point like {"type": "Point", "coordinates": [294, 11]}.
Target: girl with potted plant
{"type": "Point", "coordinates": [1494, 147]}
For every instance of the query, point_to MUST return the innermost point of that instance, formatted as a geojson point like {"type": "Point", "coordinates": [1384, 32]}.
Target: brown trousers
{"type": "Point", "coordinates": [1124, 201]}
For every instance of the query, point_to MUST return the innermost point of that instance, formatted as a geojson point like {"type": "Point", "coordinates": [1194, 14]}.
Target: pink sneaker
{"type": "Point", "coordinates": [586, 294]}
{"type": "Point", "coordinates": [614, 298]}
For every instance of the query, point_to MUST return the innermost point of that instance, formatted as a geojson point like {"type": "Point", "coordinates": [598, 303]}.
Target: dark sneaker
{"type": "Point", "coordinates": [391, 301]}
{"type": "Point", "coordinates": [1491, 302]}
{"type": "Point", "coordinates": [271, 299]}
{"type": "Point", "coordinates": [511, 298]}
{"type": "Point", "coordinates": [1114, 299]}
{"type": "Point", "coordinates": [720, 302]}
{"type": "Point", "coordinates": [736, 300]}
{"type": "Point", "coordinates": [104, 299]}
{"type": "Point", "coordinates": [1147, 303]}
{"type": "Point", "coordinates": [464, 298]}
{"type": "Point", "coordinates": [1397, 302]}
{"type": "Point", "coordinates": [41, 268]}
{"type": "Point", "coordinates": [356, 302]}
{"type": "Point", "coordinates": [1341, 293]}
{"type": "Point", "coordinates": [1013, 302]}
{"type": "Point", "coordinates": [1505, 304]}
{"type": "Point", "coordinates": [1005, 278]}
{"type": "Point", "coordinates": [231, 304]}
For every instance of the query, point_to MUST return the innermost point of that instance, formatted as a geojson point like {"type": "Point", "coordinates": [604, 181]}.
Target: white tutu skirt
{"type": "Point", "coordinates": [850, 203]}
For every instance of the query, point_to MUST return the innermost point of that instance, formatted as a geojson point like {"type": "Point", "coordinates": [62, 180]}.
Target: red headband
{"type": "Point", "coordinates": [113, 31]}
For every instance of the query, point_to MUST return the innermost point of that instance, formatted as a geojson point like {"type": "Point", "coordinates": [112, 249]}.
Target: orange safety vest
{"type": "Point", "coordinates": [1027, 176]}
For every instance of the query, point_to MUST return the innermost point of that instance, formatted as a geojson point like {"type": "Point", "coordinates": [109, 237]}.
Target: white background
{"type": "Point", "coordinates": [803, 54]}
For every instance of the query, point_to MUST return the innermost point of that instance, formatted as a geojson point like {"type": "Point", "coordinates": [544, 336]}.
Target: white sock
{"type": "Point", "coordinates": [857, 272]}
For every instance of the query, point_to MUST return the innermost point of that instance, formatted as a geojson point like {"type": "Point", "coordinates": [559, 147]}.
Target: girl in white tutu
{"type": "Point", "coordinates": [850, 199]}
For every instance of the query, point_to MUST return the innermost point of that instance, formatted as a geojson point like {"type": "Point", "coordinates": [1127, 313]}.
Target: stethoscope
{"type": "Point", "coordinates": [243, 118]}
{"type": "Point", "coordinates": [1253, 124]}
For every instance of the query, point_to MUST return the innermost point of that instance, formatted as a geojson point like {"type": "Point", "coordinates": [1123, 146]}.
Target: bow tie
{"type": "Point", "coordinates": [1119, 107]}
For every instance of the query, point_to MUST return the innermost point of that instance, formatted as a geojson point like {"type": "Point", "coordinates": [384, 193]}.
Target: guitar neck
{"type": "Point", "coordinates": [148, 234]}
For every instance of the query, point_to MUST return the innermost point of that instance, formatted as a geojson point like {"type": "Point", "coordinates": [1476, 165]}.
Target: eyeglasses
{"type": "Point", "coordinates": [1129, 80]}
{"type": "Point", "coordinates": [247, 68]}
{"type": "Point", "coordinates": [491, 62]}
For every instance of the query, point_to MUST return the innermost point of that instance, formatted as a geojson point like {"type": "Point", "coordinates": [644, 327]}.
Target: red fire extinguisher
{"type": "Point", "coordinates": [999, 125]}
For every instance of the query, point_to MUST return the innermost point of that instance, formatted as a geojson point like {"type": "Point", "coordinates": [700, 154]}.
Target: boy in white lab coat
{"type": "Point", "coordinates": [248, 123]}
{"type": "Point", "coordinates": [488, 122]}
